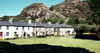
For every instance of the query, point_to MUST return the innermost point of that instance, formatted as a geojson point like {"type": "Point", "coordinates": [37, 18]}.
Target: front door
{"type": "Point", "coordinates": [1, 34]}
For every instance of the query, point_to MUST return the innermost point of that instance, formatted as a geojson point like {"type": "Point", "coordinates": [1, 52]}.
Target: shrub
{"type": "Point", "coordinates": [47, 35]}
{"type": "Point", "coordinates": [51, 8]}
{"type": "Point", "coordinates": [73, 34]}
{"type": "Point", "coordinates": [4, 38]}
{"type": "Point", "coordinates": [83, 28]}
{"type": "Point", "coordinates": [15, 19]}
{"type": "Point", "coordinates": [61, 21]}
{"type": "Point", "coordinates": [52, 20]}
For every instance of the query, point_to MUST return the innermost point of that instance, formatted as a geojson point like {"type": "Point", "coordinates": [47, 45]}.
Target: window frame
{"type": "Point", "coordinates": [7, 33]}
{"type": "Point", "coordinates": [0, 27]}
{"type": "Point", "coordinates": [17, 28]}
{"type": "Point", "coordinates": [7, 27]}
{"type": "Point", "coordinates": [23, 28]}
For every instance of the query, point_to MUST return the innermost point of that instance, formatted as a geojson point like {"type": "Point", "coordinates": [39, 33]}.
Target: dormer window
{"type": "Point", "coordinates": [7, 27]}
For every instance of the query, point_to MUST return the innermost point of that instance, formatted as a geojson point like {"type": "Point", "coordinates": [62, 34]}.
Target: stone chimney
{"type": "Point", "coordinates": [49, 23]}
{"type": "Point", "coordinates": [56, 23]}
{"type": "Point", "coordinates": [10, 20]}
{"type": "Point", "coordinates": [29, 21]}
{"type": "Point", "coordinates": [40, 22]}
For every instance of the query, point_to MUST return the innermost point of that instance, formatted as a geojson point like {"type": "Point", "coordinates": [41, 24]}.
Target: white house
{"type": "Point", "coordinates": [8, 29]}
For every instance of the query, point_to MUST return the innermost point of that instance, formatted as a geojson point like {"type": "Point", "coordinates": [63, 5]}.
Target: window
{"type": "Point", "coordinates": [7, 27]}
{"type": "Point", "coordinates": [0, 27]}
{"type": "Point", "coordinates": [22, 28]}
{"type": "Point", "coordinates": [16, 28]}
{"type": "Point", "coordinates": [7, 33]}
{"type": "Point", "coordinates": [28, 28]}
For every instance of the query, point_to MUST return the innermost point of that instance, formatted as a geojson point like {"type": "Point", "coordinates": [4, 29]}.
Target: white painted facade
{"type": "Point", "coordinates": [9, 31]}
{"type": "Point", "coordinates": [63, 30]}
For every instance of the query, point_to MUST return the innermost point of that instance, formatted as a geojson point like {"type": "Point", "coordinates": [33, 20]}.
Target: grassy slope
{"type": "Point", "coordinates": [60, 41]}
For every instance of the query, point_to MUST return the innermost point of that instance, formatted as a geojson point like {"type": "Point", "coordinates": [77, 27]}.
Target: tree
{"type": "Point", "coordinates": [83, 28]}
{"type": "Point", "coordinates": [51, 8]}
{"type": "Point", "coordinates": [33, 18]}
{"type": "Point", "coordinates": [89, 19]}
{"type": "Point", "coordinates": [5, 18]}
{"type": "Point", "coordinates": [15, 19]}
{"type": "Point", "coordinates": [61, 21]}
{"type": "Point", "coordinates": [52, 20]}
{"type": "Point", "coordinates": [95, 7]}
{"type": "Point", "coordinates": [82, 22]}
{"type": "Point", "coordinates": [73, 21]}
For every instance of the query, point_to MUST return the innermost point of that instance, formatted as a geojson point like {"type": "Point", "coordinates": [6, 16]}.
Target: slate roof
{"type": "Point", "coordinates": [21, 24]}
{"type": "Point", "coordinates": [66, 26]}
{"type": "Point", "coordinates": [7, 23]}
{"type": "Point", "coordinates": [37, 25]}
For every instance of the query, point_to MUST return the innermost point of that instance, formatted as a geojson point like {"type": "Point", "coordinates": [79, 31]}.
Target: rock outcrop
{"type": "Point", "coordinates": [73, 8]}
{"type": "Point", "coordinates": [38, 10]}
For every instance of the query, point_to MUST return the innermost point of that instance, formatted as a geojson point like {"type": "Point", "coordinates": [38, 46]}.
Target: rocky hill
{"type": "Point", "coordinates": [73, 8]}
{"type": "Point", "coordinates": [38, 10]}
{"type": "Point", "coordinates": [64, 10]}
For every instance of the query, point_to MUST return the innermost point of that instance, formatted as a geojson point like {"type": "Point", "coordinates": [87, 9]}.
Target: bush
{"type": "Point", "coordinates": [61, 21]}
{"type": "Point", "coordinates": [73, 34]}
{"type": "Point", "coordinates": [52, 20]}
{"type": "Point", "coordinates": [15, 19]}
{"type": "Point", "coordinates": [83, 28]}
{"type": "Point", "coordinates": [73, 21]}
{"type": "Point", "coordinates": [47, 35]}
{"type": "Point", "coordinates": [51, 8]}
{"type": "Point", "coordinates": [4, 38]}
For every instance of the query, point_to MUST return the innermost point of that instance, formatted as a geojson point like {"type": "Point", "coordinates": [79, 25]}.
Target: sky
{"type": "Point", "coordinates": [14, 7]}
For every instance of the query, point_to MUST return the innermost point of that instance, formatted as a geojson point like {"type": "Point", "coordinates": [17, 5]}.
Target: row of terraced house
{"type": "Point", "coordinates": [8, 29]}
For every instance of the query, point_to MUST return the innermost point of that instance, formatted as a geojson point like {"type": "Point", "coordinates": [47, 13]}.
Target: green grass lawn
{"type": "Point", "coordinates": [65, 44]}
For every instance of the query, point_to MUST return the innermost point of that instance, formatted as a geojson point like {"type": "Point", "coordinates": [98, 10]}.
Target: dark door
{"type": "Point", "coordinates": [1, 34]}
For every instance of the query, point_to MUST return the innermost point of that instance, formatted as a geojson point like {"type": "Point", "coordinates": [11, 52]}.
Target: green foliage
{"type": "Point", "coordinates": [33, 19]}
{"type": "Point", "coordinates": [97, 21]}
{"type": "Point", "coordinates": [52, 20]}
{"type": "Point", "coordinates": [48, 20]}
{"type": "Point", "coordinates": [95, 7]}
{"type": "Point", "coordinates": [73, 21]}
{"type": "Point", "coordinates": [89, 19]}
{"type": "Point", "coordinates": [25, 20]}
{"type": "Point", "coordinates": [73, 34]}
{"type": "Point", "coordinates": [47, 35]}
{"type": "Point", "coordinates": [5, 18]}
{"type": "Point", "coordinates": [84, 28]}
{"type": "Point", "coordinates": [82, 22]}
{"type": "Point", "coordinates": [15, 19]}
{"type": "Point", "coordinates": [78, 7]}
{"type": "Point", "coordinates": [51, 8]}
{"type": "Point", "coordinates": [61, 21]}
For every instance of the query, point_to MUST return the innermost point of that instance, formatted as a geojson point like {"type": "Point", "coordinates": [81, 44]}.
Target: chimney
{"type": "Point", "coordinates": [10, 20]}
{"type": "Point", "coordinates": [40, 22]}
{"type": "Point", "coordinates": [29, 21]}
{"type": "Point", "coordinates": [56, 23]}
{"type": "Point", "coordinates": [49, 23]}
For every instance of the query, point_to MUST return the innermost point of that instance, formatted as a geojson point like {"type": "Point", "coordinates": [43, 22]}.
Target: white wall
{"type": "Point", "coordinates": [11, 31]}
{"type": "Point", "coordinates": [63, 30]}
